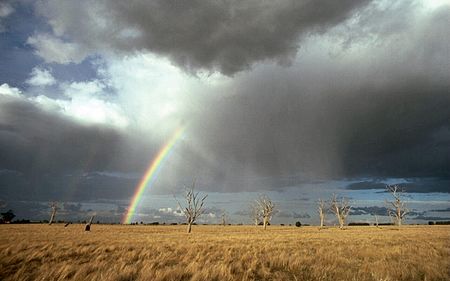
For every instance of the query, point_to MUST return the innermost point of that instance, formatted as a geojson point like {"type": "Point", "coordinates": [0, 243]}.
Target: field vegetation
{"type": "Point", "coordinates": [118, 252]}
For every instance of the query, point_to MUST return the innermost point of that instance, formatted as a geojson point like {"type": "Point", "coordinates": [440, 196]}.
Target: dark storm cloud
{"type": "Point", "coordinates": [366, 185]}
{"type": "Point", "coordinates": [389, 130]}
{"type": "Point", "coordinates": [441, 210]}
{"type": "Point", "coordinates": [225, 36]}
{"type": "Point", "coordinates": [295, 215]}
{"type": "Point", "coordinates": [45, 156]}
{"type": "Point", "coordinates": [370, 109]}
{"type": "Point", "coordinates": [37, 141]}
{"type": "Point", "coordinates": [431, 218]}
{"type": "Point", "coordinates": [380, 211]}
{"type": "Point", "coordinates": [418, 185]}
{"type": "Point", "coordinates": [382, 115]}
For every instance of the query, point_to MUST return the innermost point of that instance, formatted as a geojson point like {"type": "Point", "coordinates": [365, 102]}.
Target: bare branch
{"type": "Point", "coordinates": [341, 208]}
{"type": "Point", "coordinates": [54, 207]}
{"type": "Point", "coordinates": [398, 209]}
{"type": "Point", "coordinates": [266, 209]}
{"type": "Point", "coordinates": [194, 206]}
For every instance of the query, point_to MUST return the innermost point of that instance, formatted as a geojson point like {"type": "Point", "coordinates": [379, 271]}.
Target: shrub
{"type": "Point", "coordinates": [298, 224]}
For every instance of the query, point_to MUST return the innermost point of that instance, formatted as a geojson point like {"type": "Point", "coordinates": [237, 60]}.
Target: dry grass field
{"type": "Point", "coordinates": [43, 252]}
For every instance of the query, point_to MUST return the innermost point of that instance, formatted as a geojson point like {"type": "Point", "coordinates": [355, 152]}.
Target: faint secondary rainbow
{"type": "Point", "coordinates": [151, 173]}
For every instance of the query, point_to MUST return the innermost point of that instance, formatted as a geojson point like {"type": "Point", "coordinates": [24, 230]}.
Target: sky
{"type": "Point", "coordinates": [294, 99]}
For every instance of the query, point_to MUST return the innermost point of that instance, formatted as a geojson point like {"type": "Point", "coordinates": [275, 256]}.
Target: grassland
{"type": "Point", "coordinates": [43, 252]}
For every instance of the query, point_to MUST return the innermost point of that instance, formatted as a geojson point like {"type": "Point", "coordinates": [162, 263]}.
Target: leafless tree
{"type": "Point", "coordinates": [194, 206]}
{"type": "Point", "coordinates": [224, 218]}
{"type": "Point", "coordinates": [87, 227]}
{"type": "Point", "coordinates": [321, 208]}
{"type": "Point", "coordinates": [54, 207]}
{"type": "Point", "coordinates": [341, 208]}
{"type": "Point", "coordinates": [255, 213]}
{"type": "Point", "coordinates": [376, 220]}
{"type": "Point", "coordinates": [267, 209]}
{"type": "Point", "coordinates": [397, 208]}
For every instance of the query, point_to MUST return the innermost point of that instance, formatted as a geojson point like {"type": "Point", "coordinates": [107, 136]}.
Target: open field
{"type": "Point", "coordinates": [43, 252]}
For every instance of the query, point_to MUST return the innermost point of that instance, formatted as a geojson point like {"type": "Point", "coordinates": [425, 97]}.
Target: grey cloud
{"type": "Point", "coordinates": [380, 111]}
{"type": "Point", "coordinates": [46, 156]}
{"type": "Point", "coordinates": [380, 211]}
{"type": "Point", "coordinates": [225, 36]}
{"type": "Point", "coordinates": [366, 185]}
{"type": "Point", "coordinates": [431, 218]}
{"type": "Point", "coordinates": [328, 118]}
{"type": "Point", "coordinates": [417, 185]}
{"type": "Point", "coordinates": [441, 210]}
{"type": "Point", "coordinates": [369, 210]}
{"type": "Point", "coordinates": [295, 215]}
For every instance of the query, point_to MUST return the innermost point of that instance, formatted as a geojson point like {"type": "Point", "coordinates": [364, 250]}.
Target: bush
{"type": "Point", "coordinates": [298, 224]}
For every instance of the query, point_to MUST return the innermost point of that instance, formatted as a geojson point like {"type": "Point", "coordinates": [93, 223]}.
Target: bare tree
{"type": "Point", "coordinates": [87, 227]}
{"type": "Point", "coordinates": [341, 208]}
{"type": "Point", "coordinates": [224, 218]}
{"type": "Point", "coordinates": [321, 208]}
{"type": "Point", "coordinates": [376, 220]}
{"type": "Point", "coordinates": [255, 213]}
{"type": "Point", "coordinates": [267, 209]}
{"type": "Point", "coordinates": [54, 207]}
{"type": "Point", "coordinates": [396, 209]}
{"type": "Point", "coordinates": [194, 206]}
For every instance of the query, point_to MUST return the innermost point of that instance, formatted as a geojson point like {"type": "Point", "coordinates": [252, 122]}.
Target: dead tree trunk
{"type": "Point", "coordinates": [321, 208]}
{"type": "Point", "coordinates": [194, 207]}
{"type": "Point", "coordinates": [341, 209]}
{"type": "Point", "coordinates": [255, 213]}
{"type": "Point", "coordinates": [54, 206]}
{"type": "Point", "coordinates": [224, 219]}
{"type": "Point", "coordinates": [87, 227]}
{"type": "Point", "coordinates": [265, 222]}
{"type": "Point", "coordinates": [398, 208]}
{"type": "Point", "coordinates": [267, 208]}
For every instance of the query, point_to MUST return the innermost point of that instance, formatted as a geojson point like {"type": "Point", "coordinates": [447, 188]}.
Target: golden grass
{"type": "Point", "coordinates": [43, 252]}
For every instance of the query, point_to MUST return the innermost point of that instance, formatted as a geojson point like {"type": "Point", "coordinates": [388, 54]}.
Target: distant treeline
{"type": "Point", "coordinates": [439, 222]}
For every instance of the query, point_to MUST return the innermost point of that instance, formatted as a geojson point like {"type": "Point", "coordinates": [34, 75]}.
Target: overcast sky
{"type": "Point", "coordinates": [280, 97]}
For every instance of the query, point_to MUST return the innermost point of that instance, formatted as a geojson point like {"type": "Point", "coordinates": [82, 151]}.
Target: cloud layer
{"type": "Point", "coordinates": [360, 90]}
{"type": "Point", "coordinates": [225, 36]}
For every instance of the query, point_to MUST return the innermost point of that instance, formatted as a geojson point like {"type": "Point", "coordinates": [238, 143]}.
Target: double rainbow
{"type": "Point", "coordinates": [151, 173]}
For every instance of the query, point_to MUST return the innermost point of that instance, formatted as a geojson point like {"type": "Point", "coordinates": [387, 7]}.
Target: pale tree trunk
{"type": "Point", "coordinates": [341, 223]}
{"type": "Point", "coordinates": [265, 222]}
{"type": "Point", "coordinates": [256, 222]}
{"type": "Point", "coordinates": [52, 217]}
{"type": "Point", "coordinates": [376, 220]}
{"type": "Point", "coordinates": [321, 219]}
{"type": "Point", "coordinates": [54, 207]}
{"type": "Point", "coordinates": [88, 225]}
{"type": "Point", "coordinates": [189, 227]}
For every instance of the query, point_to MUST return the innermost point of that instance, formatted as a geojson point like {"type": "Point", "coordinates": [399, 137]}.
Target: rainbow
{"type": "Point", "coordinates": [151, 173]}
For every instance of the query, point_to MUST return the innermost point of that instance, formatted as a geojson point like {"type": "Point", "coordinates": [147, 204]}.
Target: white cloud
{"type": "Point", "coordinates": [85, 103]}
{"type": "Point", "coordinates": [5, 11]}
{"type": "Point", "coordinates": [41, 77]}
{"type": "Point", "coordinates": [88, 103]}
{"type": "Point", "coordinates": [6, 90]}
{"type": "Point", "coordinates": [55, 50]}
{"type": "Point", "coordinates": [154, 93]}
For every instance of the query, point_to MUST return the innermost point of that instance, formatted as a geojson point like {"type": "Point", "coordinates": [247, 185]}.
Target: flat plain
{"type": "Point", "coordinates": [139, 252]}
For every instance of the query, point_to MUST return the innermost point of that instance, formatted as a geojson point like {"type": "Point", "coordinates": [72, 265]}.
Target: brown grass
{"type": "Point", "coordinates": [43, 252]}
